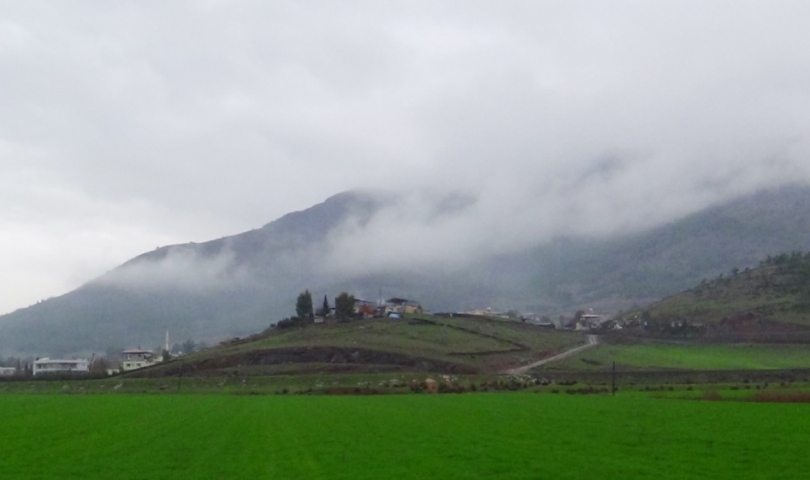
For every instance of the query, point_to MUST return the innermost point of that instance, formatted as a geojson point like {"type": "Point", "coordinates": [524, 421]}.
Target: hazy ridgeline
{"type": "Point", "coordinates": [239, 285]}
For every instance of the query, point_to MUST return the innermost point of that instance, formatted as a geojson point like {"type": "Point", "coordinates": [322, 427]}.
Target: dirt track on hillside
{"type": "Point", "coordinates": [593, 341]}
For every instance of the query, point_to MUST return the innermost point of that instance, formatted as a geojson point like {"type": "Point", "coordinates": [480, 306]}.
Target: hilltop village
{"type": "Point", "coordinates": [344, 308]}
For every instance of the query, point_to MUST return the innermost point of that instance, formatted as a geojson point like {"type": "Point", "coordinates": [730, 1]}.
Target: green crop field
{"type": "Point", "coordinates": [503, 436]}
{"type": "Point", "coordinates": [698, 357]}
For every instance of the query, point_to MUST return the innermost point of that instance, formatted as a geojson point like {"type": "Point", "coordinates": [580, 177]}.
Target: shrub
{"type": "Point", "coordinates": [782, 397]}
{"type": "Point", "coordinates": [291, 322]}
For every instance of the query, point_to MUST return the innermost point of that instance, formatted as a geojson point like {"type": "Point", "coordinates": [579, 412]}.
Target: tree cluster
{"type": "Point", "coordinates": [344, 306]}
{"type": "Point", "coordinates": [303, 306]}
{"type": "Point", "coordinates": [291, 322]}
{"type": "Point", "coordinates": [305, 312]}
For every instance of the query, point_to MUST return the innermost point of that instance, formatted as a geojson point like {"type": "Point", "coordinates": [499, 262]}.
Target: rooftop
{"type": "Point", "coordinates": [54, 360]}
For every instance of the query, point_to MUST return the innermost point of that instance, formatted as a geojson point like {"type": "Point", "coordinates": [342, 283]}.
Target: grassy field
{"type": "Point", "coordinates": [504, 436]}
{"type": "Point", "coordinates": [697, 357]}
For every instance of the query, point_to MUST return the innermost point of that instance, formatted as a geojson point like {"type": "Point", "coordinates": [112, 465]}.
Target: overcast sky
{"type": "Point", "coordinates": [128, 125]}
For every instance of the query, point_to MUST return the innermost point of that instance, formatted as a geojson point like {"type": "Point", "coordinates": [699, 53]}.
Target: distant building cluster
{"type": "Point", "coordinates": [392, 308]}
{"type": "Point", "coordinates": [582, 320]}
{"type": "Point", "coordinates": [130, 359]}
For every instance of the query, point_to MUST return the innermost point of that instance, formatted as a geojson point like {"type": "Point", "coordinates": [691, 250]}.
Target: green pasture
{"type": "Point", "coordinates": [695, 356]}
{"type": "Point", "coordinates": [532, 336]}
{"type": "Point", "coordinates": [503, 436]}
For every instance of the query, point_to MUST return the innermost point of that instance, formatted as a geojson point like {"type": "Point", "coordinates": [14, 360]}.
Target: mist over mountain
{"type": "Point", "coordinates": [425, 245]}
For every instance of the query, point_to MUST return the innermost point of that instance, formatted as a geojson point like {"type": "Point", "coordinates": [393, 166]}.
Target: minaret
{"type": "Point", "coordinates": [166, 346]}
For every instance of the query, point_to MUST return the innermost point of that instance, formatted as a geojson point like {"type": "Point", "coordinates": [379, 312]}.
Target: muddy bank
{"type": "Point", "coordinates": [347, 359]}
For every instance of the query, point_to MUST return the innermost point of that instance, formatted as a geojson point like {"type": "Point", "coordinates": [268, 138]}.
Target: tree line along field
{"type": "Point", "coordinates": [505, 436]}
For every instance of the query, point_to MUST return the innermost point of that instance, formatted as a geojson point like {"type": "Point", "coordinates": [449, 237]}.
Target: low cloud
{"type": "Point", "coordinates": [181, 268]}
{"type": "Point", "coordinates": [189, 120]}
{"type": "Point", "coordinates": [428, 229]}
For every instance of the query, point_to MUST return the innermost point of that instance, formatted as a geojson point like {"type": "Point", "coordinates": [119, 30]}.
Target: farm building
{"type": "Point", "coordinates": [45, 366]}
{"type": "Point", "coordinates": [7, 371]}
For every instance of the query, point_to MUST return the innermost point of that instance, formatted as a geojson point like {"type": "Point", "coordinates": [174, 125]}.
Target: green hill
{"type": "Point", "coordinates": [415, 344]}
{"type": "Point", "coordinates": [771, 300]}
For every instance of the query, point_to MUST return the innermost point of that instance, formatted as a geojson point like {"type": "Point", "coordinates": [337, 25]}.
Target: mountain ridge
{"type": "Point", "coordinates": [239, 284]}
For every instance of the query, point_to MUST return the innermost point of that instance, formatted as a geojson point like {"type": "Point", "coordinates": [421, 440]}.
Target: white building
{"type": "Point", "coordinates": [44, 366]}
{"type": "Point", "coordinates": [136, 358]}
{"type": "Point", "coordinates": [7, 371]}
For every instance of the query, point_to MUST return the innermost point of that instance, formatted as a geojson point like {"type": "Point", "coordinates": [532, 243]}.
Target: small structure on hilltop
{"type": "Point", "coordinates": [363, 308]}
{"type": "Point", "coordinates": [48, 366]}
{"type": "Point", "coordinates": [136, 358]}
{"type": "Point", "coordinates": [590, 321]}
{"type": "Point", "coordinates": [492, 313]}
{"type": "Point", "coordinates": [402, 306]}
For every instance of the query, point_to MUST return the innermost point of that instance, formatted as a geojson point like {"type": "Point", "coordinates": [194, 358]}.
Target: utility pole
{"type": "Point", "coordinates": [613, 380]}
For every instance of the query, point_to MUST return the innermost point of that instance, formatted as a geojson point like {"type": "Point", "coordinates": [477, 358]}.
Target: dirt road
{"type": "Point", "coordinates": [593, 341]}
